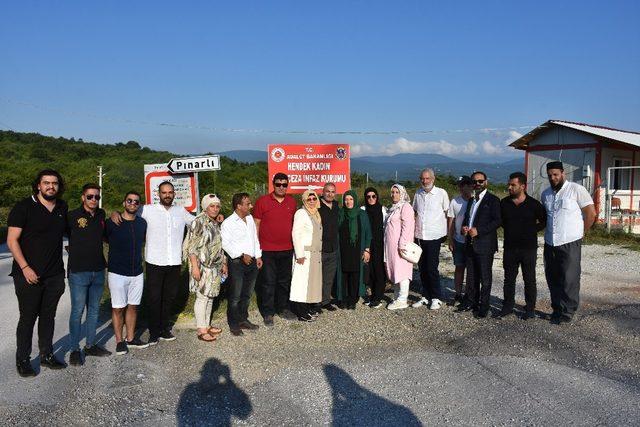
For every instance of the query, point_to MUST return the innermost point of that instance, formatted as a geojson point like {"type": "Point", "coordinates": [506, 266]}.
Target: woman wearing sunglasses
{"type": "Point", "coordinates": [207, 264]}
{"type": "Point", "coordinates": [306, 282]}
{"type": "Point", "coordinates": [375, 276]}
{"type": "Point", "coordinates": [354, 236]}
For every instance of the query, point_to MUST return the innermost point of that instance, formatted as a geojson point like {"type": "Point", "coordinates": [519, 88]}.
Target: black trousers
{"type": "Point", "coordinates": [329, 267]}
{"type": "Point", "coordinates": [37, 302]}
{"type": "Point", "coordinates": [242, 280]}
{"type": "Point", "coordinates": [429, 274]}
{"type": "Point", "coordinates": [562, 270]}
{"type": "Point", "coordinates": [376, 275]}
{"type": "Point", "coordinates": [161, 288]}
{"type": "Point", "coordinates": [275, 281]}
{"type": "Point", "coordinates": [351, 287]}
{"type": "Point", "coordinates": [479, 279]}
{"type": "Point", "coordinates": [513, 259]}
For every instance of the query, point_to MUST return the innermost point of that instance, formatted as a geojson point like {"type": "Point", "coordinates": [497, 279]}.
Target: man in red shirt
{"type": "Point", "coordinates": [273, 215]}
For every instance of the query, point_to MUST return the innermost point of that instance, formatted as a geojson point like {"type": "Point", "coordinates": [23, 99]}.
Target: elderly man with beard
{"type": "Point", "coordinates": [570, 213]}
{"type": "Point", "coordinates": [431, 204]}
{"type": "Point", "coordinates": [522, 218]}
{"type": "Point", "coordinates": [163, 255]}
{"type": "Point", "coordinates": [36, 227]}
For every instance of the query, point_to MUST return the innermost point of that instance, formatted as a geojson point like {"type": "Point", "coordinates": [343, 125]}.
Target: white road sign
{"type": "Point", "coordinates": [194, 164]}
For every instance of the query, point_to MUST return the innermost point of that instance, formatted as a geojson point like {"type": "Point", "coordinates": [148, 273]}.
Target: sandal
{"type": "Point", "coordinates": [213, 330]}
{"type": "Point", "coordinates": [211, 338]}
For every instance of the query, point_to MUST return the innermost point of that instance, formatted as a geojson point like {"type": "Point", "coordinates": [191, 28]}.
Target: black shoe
{"type": "Point", "coordinates": [153, 340]}
{"type": "Point", "coordinates": [351, 306]}
{"type": "Point", "coordinates": [25, 369]}
{"type": "Point", "coordinates": [75, 358]}
{"type": "Point", "coordinates": [287, 315]}
{"type": "Point", "coordinates": [529, 315]}
{"type": "Point", "coordinates": [96, 350]}
{"type": "Point", "coordinates": [121, 348]}
{"type": "Point", "coordinates": [504, 313]}
{"type": "Point", "coordinates": [236, 332]}
{"type": "Point", "coordinates": [167, 336]}
{"type": "Point", "coordinates": [329, 307]}
{"type": "Point", "coordinates": [137, 343]}
{"type": "Point", "coordinates": [268, 320]}
{"type": "Point", "coordinates": [482, 314]}
{"type": "Point", "coordinates": [306, 318]}
{"type": "Point", "coordinates": [248, 325]}
{"type": "Point", "coordinates": [314, 314]}
{"type": "Point", "coordinates": [375, 304]}
{"type": "Point", "coordinates": [464, 307]}
{"type": "Point", "coordinates": [559, 319]}
{"type": "Point", "coordinates": [51, 362]}
{"type": "Point", "coordinates": [316, 310]}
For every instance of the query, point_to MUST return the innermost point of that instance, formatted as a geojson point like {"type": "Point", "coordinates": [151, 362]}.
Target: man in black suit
{"type": "Point", "coordinates": [481, 220]}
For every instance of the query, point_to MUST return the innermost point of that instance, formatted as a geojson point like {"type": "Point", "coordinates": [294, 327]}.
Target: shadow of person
{"type": "Point", "coordinates": [355, 405]}
{"type": "Point", "coordinates": [213, 400]}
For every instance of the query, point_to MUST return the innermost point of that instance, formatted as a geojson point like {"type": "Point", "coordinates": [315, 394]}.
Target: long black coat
{"type": "Point", "coordinates": [487, 221]}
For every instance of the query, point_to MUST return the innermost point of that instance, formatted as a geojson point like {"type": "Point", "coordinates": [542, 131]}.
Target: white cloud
{"type": "Point", "coordinates": [492, 149]}
{"type": "Point", "coordinates": [513, 135]}
{"type": "Point", "coordinates": [362, 149]}
{"type": "Point", "coordinates": [403, 145]}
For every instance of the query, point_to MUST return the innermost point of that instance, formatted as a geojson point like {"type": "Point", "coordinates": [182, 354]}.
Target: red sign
{"type": "Point", "coordinates": [185, 186]}
{"type": "Point", "coordinates": [311, 166]}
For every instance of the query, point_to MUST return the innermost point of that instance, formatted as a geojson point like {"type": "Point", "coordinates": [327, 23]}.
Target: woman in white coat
{"type": "Point", "coordinates": [306, 281]}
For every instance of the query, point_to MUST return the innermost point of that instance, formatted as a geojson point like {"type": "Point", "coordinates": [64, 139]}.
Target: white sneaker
{"type": "Point", "coordinates": [422, 301]}
{"type": "Point", "coordinates": [435, 304]}
{"type": "Point", "coordinates": [397, 305]}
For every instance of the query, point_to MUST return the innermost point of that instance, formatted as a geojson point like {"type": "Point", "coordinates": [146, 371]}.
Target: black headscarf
{"type": "Point", "coordinates": [375, 215]}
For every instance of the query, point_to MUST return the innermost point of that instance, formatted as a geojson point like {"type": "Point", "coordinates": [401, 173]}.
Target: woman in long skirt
{"type": "Point", "coordinates": [376, 277]}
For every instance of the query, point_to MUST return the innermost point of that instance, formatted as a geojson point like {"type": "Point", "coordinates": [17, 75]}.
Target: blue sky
{"type": "Point", "coordinates": [241, 75]}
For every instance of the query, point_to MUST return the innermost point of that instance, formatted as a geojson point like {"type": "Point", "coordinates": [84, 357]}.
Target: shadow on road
{"type": "Point", "coordinates": [214, 400]}
{"type": "Point", "coordinates": [355, 405]}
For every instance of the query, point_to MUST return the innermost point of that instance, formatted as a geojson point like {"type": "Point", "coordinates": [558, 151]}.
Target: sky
{"type": "Point", "coordinates": [461, 79]}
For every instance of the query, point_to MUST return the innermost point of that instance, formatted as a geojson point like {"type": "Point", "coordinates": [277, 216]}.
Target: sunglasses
{"type": "Point", "coordinates": [371, 196]}
{"type": "Point", "coordinates": [133, 202]}
{"type": "Point", "coordinates": [478, 181]}
{"type": "Point", "coordinates": [281, 184]}
{"type": "Point", "coordinates": [312, 199]}
{"type": "Point", "coordinates": [92, 196]}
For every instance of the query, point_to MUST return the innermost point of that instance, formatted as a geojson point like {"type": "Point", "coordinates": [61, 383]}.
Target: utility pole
{"type": "Point", "coordinates": [100, 175]}
{"type": "Point", "coordinates": [367, 178]}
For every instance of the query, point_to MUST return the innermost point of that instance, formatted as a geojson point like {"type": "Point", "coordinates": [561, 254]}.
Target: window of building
{"type": "Point", "coordinates": [621, 177]}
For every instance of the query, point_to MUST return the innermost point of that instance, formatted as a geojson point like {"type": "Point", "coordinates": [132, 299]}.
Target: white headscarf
{"type": "Point", "coordinates": [404, 198]}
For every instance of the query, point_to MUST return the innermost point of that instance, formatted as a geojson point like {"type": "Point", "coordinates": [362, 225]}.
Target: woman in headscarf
{"type": "Point", "coordinates": [375, 277]}
{"type": "Point", "coordinates": [354, 237]}
{"type": "Point", "coordinates": [398, 232]}
{"type": "Point", "coordinates": [207, 264]}
{"type": "Point", "coordinates": [306, 281]}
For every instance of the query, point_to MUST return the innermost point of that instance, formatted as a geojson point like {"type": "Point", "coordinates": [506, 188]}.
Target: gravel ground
{"type": "Point", "coordinates": [375, 367]}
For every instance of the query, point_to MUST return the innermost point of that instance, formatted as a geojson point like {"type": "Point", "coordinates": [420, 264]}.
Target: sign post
{"type": "Point", "coordinates": [194, 164]}
{"type": "Point", "coordinates": [311, 166]}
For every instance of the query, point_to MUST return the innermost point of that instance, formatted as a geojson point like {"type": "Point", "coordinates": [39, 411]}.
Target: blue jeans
{"type": "Point", "coordinates": [86, 290]}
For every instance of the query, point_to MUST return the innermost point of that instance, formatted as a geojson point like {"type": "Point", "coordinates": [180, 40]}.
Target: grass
{"type": "Point", "coordinates": [598, 236]}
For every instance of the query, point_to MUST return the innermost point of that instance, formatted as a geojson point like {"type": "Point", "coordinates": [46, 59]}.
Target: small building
{"type": "Point", "coordinates": [587, 152]}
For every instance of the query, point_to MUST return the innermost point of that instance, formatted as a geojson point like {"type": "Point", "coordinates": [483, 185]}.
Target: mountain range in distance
{"type": "Point", "coordinates": [406, 165]}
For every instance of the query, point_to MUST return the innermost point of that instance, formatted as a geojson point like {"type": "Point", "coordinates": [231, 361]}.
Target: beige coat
{"type": "Point", "coordinates": [306, 280]}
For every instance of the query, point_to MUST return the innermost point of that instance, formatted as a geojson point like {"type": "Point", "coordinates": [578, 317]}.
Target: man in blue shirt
{"type": "Point", "coordinates": [125, 272]}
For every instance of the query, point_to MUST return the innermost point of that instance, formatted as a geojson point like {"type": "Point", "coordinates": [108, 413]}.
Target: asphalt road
{"type": "Point", "coordinates": [300, 383]}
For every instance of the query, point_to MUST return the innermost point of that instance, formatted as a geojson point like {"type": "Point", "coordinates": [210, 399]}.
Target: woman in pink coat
{"type": "Point", "coordinates": [398, 231]}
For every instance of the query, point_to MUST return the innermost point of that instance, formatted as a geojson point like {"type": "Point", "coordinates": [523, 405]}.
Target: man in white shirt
{"type": "Point", "coordinates": [163, 259]}
{"type": "Point", "coordinates": [570, 213]}
{"type": "Point", "coordinates": [430, 204]}
{"type": "Point", "coordinates": [240, 242]}
{"type": "Point", "coordinates": [455, 217]}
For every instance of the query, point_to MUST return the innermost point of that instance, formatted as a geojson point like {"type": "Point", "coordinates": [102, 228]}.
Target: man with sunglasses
{"type": "Point", "coordinates": [481, 221]}
{"type": "Point", "coordinates": [86, 229]}
{"type": "Point", "coordinates": [273, 214]}
{"type": "Point", "coordinates": [126, 280]}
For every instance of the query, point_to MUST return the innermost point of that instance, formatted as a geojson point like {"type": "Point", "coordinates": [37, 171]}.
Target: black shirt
{"type": "Point", "coordinates": [86, 233]}
{"type": "Point", "coordinates": [41, 237]}
{"type": "Point", "coordinates": [522, 222]}
{"type": "Point", "coordinates": [349, 254]}
{"type": "Point", "coordinates": [329, 216]}
{"type": "Point", "coordinates": [125, 246]}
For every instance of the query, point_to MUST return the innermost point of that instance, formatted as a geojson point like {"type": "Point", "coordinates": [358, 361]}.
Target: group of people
{"type": "Point", "coordinates": [300, 261]}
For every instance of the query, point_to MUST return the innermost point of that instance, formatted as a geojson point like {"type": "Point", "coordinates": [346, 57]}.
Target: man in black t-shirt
{"type": "Point", "coordinates": [36, 227]}
{"type": "Point", "coordinates": [86, 228]}
{"type": "Point", "coordinates": [522, 218]}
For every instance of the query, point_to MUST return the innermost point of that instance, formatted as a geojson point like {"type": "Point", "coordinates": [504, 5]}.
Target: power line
{"type": "Point", "coordinates": [264, 131]}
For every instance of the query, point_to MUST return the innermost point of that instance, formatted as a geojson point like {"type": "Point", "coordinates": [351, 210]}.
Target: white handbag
{"type": "Point", "coordinates": [412, 252]}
